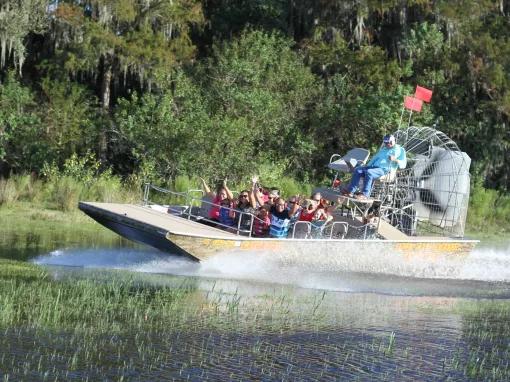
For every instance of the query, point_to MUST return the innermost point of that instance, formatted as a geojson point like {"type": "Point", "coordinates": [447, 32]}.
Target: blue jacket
{"type": "Point", "coordinates": [382, 158]}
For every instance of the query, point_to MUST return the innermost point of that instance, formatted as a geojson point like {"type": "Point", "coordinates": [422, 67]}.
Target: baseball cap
{"type": "Point", "coordinates": [389, 138]}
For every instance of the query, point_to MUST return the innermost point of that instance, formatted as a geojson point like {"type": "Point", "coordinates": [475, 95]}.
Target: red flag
{"type": "Point", "coordinates": [412, 103]}
{"type": "Point", "coordinates": [423, 93]}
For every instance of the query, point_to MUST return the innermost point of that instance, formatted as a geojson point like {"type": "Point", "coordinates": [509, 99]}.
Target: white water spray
{"type": "Point", "coordinates": [357, 272]}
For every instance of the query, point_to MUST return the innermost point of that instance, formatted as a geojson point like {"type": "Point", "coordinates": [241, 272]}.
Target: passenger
{"type": "Point", "coordinates": [389, 157]}
{"type": "Point", "coordinates": [294, 218]}
{"type": "Point", "coordinates": [308, 210]}
{"type": "Point", "coordinates": [324, 214]}
{"type": "Point", "coordinates": [222, 192]}
{"type": "Point", "coordinates": [317, 197]}
{"type": "Point", "coordinates": [264, 196]}
{"type": "Point", "coordinates": [226, 213]}
{"type": "Point", "coordinates": [270, 196]}
{"type": "Point", "coordinates": [245, 205]}
{"type": "Point", "coordinates": [280, 218]}
{"type": "Point", "coordinates": [262, 223]}
{"type": "Point", "coordinates": [291, 202]}
{"type": "Point", "coordinates": [321, 213]}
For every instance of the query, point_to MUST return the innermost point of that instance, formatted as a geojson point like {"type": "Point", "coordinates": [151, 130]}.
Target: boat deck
{"type": "Point", "coordinates": [161, 220]}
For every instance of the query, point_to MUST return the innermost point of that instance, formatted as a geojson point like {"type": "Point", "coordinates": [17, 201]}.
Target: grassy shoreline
{"type": "Point", "coordinates": [24, 216]}
{"type": "Point", "coordinates": [55, 200]}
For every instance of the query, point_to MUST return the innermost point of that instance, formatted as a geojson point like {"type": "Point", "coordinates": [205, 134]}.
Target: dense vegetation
{"type": "Point", "coordinates": [162, 88]}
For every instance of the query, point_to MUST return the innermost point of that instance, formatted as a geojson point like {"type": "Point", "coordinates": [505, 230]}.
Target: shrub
{"type": "Point", "coordinates": [105, 189]}
{"type": "Point", "coordinates": [65, 192]}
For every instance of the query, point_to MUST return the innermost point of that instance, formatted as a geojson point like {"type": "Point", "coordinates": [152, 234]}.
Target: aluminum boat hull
{"type": "Point", "coordinates": [178, 235]}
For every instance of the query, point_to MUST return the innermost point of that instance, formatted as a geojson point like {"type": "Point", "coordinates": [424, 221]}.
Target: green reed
{"type": "Point", "coordinates": [118, 323]}
{"type": "Point", "coordinates": [31, 296]}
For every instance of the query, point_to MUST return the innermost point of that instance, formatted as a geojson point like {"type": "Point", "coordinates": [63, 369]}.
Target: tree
{"type": "Point", "coordinates": [21, 143]}
{"type": "Point", "coordinates": [112, 39]}
{"type": "Point", "coordinates": [19, 18]}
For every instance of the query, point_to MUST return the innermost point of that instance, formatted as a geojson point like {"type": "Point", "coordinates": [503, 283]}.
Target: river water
{"type": "Point", "coordinates": [372, 326]}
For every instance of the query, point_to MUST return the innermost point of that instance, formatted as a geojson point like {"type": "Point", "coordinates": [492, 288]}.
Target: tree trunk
{"type": "Point", "coordinates": [105, 107]}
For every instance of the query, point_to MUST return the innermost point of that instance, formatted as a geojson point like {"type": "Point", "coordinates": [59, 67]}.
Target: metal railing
{"type": "Point", "coordinates": [192, 203]}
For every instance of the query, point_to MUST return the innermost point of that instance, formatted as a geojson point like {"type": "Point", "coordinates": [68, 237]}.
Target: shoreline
{"type": "Point", "coordinates": [23, 216]}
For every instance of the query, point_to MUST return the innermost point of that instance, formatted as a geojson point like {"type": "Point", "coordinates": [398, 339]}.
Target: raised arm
{"type": "Point", "coordinates": [251, 193]}
{"type": "Point", "coordinates": [206, 188]}
{"type": "Point", "coordinates": [254, 193]}
{"type": "Point", "coordinates": [227, 190]}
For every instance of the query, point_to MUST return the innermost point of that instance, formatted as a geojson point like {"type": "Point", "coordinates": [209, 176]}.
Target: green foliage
{"type": "Point", "coordinates": [489, 210]}
{"type": "Point", "coordinates": [182, 183]}
{"type": "Point", "coordinates": [257, 91]}
{"type": "Point", "coordinates": [166, 130]}
{"type": "Point", "coordinates": [290, 187]}
{"type": "Point", "coordinates": [106, 188]}
{"type": "Point", "coordinates": [21, 143]}
{"type": "Point", "coordinates": [19, 19]}
{"type": "Point", "coordinates": [69, 117]}
{"type": "Point", "coordinates": [232, 88]}
{"type": "Point", "coordinates": [125, 36]}
{"type": "Point", "coordinates": [83, 168]}
{"type": "Point", "coordinates": [81, 179]}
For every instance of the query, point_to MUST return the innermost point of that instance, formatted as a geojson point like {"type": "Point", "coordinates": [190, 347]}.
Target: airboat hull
{"type": "Point", "coordinates": [181, 236]}
{"type": "Point", "coordinates": [203, 248]}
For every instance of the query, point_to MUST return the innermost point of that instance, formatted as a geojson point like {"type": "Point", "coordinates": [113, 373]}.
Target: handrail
{"type": "Point", "coordinates": [334, 156]}
{"type": "Point", "coordinates": [187, 208]}
{"type": "Point", "coordinates": [307, 224]}
{"type": "Point", "coordinates": [345, 224]}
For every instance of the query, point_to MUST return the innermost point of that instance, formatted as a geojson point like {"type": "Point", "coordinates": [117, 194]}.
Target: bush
{"type": "Point", "coordinates": [65, 192]}
{"type": "Point", "coordinates": [106, 188]}
{"type": "Point", "coordinates": [489, 210]}
{"type": "Point", "coordinates": [289, 187]}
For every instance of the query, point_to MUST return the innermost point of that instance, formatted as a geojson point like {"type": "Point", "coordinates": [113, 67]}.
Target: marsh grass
{"type": "Point", "coordinates": [116, 326]}
{"type": "Point", "coordinates": [63, 191]}
{"type": "Point", "coordinates": [31, 297]}
{"type": "Point", "coordinates": [8, 191]}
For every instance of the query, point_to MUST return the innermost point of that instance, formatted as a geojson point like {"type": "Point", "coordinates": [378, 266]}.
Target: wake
{"type": "Point", "coordinates": [485, 273]}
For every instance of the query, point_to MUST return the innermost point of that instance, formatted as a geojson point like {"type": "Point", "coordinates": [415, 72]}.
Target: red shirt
{"type": "Point", "coordinates": [214, 212]}
{"type": "Point", "coordinates": [307, 215]}
{"type": "Point", "coordinates": [261, 227]}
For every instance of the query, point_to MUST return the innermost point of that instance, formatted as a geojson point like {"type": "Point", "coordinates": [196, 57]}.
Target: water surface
{"type": "Point", "coordinates": [279, 323]}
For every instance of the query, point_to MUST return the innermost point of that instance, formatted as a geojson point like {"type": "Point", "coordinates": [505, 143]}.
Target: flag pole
{"type": "Point", "coordinates": [409, 122]}
{"type": "Point", "coordinates": [401, 117]}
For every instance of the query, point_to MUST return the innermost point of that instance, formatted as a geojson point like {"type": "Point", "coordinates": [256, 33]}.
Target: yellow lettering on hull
{"type": "Point", "coordinates": [433, 249]}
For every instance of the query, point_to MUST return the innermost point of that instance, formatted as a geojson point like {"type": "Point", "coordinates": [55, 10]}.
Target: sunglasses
{"type": "Point", "coordinates": [243, 196]}
{"type": "Point", "coordinates": [291, 202]}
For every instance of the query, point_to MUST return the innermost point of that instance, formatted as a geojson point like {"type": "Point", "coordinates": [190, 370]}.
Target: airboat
{"type": "Point", "coordinates": [415, 213]}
